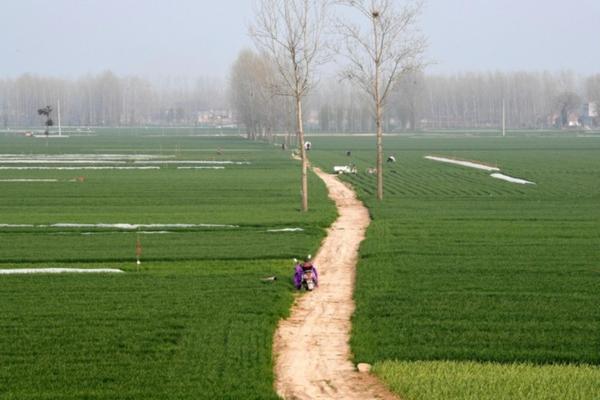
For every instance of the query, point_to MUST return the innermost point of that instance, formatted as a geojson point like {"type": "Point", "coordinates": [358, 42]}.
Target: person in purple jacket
{"type": "Point", "coordinates": [302, 267]}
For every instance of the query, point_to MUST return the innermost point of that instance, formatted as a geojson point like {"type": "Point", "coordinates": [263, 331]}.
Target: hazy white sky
{"type": "Point", "coordinates": [188, 38]}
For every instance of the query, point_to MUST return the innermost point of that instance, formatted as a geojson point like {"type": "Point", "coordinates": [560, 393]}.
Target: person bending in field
{"type": "Point", "coordinates": [303, 267]}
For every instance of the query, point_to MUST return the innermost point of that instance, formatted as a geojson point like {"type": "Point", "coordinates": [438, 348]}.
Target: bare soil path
{"type": "Point", "coordinates": [312, 351]}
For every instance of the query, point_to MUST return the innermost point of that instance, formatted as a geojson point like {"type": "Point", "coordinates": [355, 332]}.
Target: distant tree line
{"type": "Point", "coordinates": [420, 101]}
{"type": "Point", "coordinates": [109, 100]}
{"type": "Point", "coordinates": [472, 100]}
{"type": "Point", "coordinates": [532, 100]}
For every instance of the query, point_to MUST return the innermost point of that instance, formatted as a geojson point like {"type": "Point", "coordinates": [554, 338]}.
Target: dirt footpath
{"type": "Point", "coordinates": [312, 351]}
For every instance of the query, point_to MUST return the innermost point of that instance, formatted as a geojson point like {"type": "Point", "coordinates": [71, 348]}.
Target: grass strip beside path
{"type": "Point", "coordinates": [450, 380]}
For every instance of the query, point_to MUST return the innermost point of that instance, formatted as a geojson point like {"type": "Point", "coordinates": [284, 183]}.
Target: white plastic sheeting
{"type": "Point", "coordinates": [469, 164]}
{"type": "Point", "coordinates": [511, 179]}
{"type": "Point", "coordinates": [24, 271]}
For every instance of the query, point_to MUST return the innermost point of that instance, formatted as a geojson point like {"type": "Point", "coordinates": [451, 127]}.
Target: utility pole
{"type": "Point", "coordinates": [503, 118]}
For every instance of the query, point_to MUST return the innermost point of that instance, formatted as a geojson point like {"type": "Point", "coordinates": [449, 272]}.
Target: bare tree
{"type": "Point", "coordinates": [246, 91]}
{"type": "Point", "coordinates": [290, 33]}
{"type": "Point", "coordinates": [407, 101]}
{"type": "Point", "coordinates": [566, 103]}
{"type": "Point", "coordinates": [249, 93]}
{"type": "Point", "coordinates": [46, 113]}
{"type": "Point", "coordinates": [592, 84]}
{"type": "Point", "coordinates": [380, 55]}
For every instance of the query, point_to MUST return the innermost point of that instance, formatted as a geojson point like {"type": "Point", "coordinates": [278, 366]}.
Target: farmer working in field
{"type": "Point", "coordinates": [302, 267]}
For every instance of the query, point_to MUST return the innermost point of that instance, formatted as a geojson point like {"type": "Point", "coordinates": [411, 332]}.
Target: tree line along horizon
{"type": "Point", "coordinates": [247, 96]}
{"type": "Point", "coordinates": [383, 52]}
{"type": "Point", "coordinates": [467, 100]}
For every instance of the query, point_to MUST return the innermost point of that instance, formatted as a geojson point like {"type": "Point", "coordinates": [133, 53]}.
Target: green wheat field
{"type": "Point", "coordinates": [468, 287]}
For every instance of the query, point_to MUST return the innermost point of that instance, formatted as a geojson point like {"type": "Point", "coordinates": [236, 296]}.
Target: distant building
{"type": "Point", "coordinates": [590, 110]}
{"type": "Point", "coordinates": [589, 114]}
{"type": "Point", "coordinates": [216, 119]}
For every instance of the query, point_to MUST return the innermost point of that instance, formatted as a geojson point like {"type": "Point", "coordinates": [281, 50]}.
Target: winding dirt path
{"type": "Point", "coordinates": [312, 351]}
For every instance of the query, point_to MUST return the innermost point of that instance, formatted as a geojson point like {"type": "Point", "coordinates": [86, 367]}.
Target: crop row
{"type": "Point", "coordinates": [195, 320]}
{"type": "Point", "coordinates": [460, 266]}
{"type": "Point", "coordinates": [174, 330]}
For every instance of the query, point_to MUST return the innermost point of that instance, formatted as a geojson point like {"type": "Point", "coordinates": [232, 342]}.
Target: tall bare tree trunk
{"type": "Point", "coordinates": [300, 130]}
{"type": "Point", "coordinates": [378, 114]}
{"type": "Point", "coordinates": [378, 122]}
{"type": "Point", "coordinates": [391, 49]}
